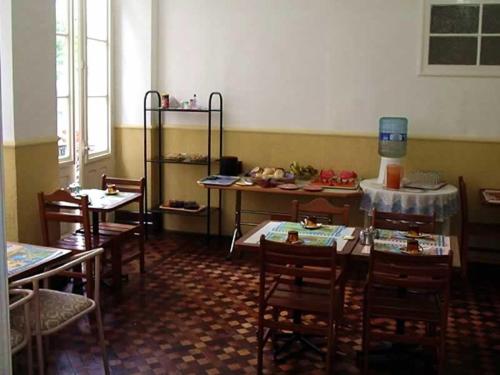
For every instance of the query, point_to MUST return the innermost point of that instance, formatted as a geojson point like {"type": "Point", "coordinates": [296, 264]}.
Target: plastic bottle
{"type": "Point", "coordinates": [392, 137]}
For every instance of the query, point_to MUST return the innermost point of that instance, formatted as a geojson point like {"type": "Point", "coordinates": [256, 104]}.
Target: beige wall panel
{"type": "Point", "coordinates": [9, 154]}
{"type": "Point", "coordinates": [37, 170]}
{"type": "Point", "coordinates": [476, 161]}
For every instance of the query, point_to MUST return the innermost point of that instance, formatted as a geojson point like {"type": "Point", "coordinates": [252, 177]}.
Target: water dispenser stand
{"type": "Point", "coordinates": [384, 162]}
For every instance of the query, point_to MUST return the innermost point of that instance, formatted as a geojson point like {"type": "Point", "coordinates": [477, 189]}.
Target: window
{"type": "Point", "coordinates": [461, 37]}
{"type": "Point", "coordinates": [63, 80]}
{"type": "Point", "coordinates": [83, 79]}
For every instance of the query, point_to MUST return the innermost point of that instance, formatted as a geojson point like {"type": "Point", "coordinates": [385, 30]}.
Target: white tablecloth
{"type": "Point", "coordinates": [442, 202]}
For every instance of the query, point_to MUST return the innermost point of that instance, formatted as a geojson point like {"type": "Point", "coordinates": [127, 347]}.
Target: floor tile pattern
{"type": "Point", "coordinates": [193, 312]}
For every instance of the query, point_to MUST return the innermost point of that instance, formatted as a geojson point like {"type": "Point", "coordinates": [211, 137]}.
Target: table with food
{"type": "Point", "coordinates": [297, 180]}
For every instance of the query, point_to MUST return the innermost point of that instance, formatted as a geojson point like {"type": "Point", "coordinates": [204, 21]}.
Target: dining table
{"type": "Point", "coordinates": [442, 202]}
{"type": "Point", "coordinates": [25, 258]}
{"type": "Point", "coordinates": [101, 202]}
{"type": "Point", "coordinates": [328, 193]}
{"type": "Point", "coordinates": [349, 246]}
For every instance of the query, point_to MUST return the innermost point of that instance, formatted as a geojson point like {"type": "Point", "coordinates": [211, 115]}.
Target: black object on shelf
{"type": "Point", "coordinates": [159, 161]}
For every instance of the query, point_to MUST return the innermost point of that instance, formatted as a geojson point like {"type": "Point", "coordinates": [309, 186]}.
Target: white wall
{"type": "Point", "coordinates": [27, 47]}
{"type": "Point", "coordinates": [134, 56]}
{"type": "Point", "coordinates": [322, 66]}
{"type": "Point", "coordinates": [6, 70]}
{"type": "Point", "coordinates": [34, 68]}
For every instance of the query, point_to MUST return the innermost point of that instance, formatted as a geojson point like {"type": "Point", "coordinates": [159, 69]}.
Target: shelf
{"type": "Point", "coordinates": [198, 110]}
{"type": "Point", "coordinates": [203, 213]}
{"type": "Point", "coordinates": [192, 162]}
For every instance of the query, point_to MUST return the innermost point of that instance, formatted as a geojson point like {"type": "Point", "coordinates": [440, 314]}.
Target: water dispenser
{"type": "Point", "coordinates": [391, 143]}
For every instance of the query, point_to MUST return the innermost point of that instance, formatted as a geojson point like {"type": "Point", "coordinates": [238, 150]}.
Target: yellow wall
{"type": "Point", "coordinates": [9, 154]}
{"type": "Point", "coordinates": [29, 168]}
{"type": "Point", "coordinates": [477, 161]}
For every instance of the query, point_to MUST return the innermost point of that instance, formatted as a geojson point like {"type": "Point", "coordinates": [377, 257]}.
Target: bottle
{"type": "Point", "coordinates": [392, 137]}
{"type": "Point", "coordinates": [195, 102]}
{"type": "Point", "coordinates": [165, 101]}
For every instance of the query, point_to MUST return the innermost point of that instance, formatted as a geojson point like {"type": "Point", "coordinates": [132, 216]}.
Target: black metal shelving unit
{"type": "Point", "coordinates": [159, 161]}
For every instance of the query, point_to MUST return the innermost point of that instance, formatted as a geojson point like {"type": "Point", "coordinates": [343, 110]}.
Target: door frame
{"type": "Point", "coordinates": [5, 352]}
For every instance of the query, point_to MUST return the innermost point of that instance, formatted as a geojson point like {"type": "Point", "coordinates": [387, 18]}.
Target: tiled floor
{"type": "Point", "coordinates": [194, 313]}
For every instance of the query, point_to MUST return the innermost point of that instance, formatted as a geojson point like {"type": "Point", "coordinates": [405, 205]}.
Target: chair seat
{"type": "Point", "coordinates": [411, 306]}
{"type": "Point", "coordinates": [303, 298]}
{"type": "Point", "coordinates": [76, 242]}
{"type": "Point", "coordinates": [16, 338]}
{"type": "Point", "coordinates": [56, 309]}
{"type": "Point", "coordinates": [117, 229]}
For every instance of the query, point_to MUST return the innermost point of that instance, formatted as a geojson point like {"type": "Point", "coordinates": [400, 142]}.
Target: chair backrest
{"type": "Point", "coordinates": [464, 206]}
{"type": "Point", "coordinates": [322, 207]}
{"type": "Point", "coordinates": [126, 185]}
{"type": "Point", "coordinates": [296, 263]}
{"type": "Point", "coordinates": [62, 207]}
{"type": "Point", "coordinates": [430, 273]}
{"type": "Point", "coordinates": [83, 257]}
{"type": "Point", "coordinates": [397, 221]}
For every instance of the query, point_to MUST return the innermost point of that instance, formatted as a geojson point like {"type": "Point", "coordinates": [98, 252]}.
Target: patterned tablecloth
{"type": "Point", "coordinates": [442, 202]}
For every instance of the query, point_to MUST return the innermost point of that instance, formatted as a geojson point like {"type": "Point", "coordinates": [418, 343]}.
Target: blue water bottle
{"type": "Point", "coordinates": [392, 137]}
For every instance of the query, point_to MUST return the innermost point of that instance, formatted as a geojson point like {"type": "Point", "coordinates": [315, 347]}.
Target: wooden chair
{"type": "Point", "coordinates": [305, 280]}
{"type": "Point", "coordinates": [487, 231]}
{"type": "Point", "coordinates": [62, 207]}
{"type": "Point", "coordinates": [408, 288]}
{"type": "Point", "coordinates": [397, 221]}
{"type": "Point", "coordinates": [122, 233]}
{"type": "Point", "coordinates": [54, 310]}
{"type": "Point", "coordinates": [322, 207]}
{"type": "Point", "coordinates": [19, 338]}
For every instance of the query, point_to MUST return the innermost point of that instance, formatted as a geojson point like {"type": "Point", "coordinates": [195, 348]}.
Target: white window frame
{"type": "Point", "coordinates": [70, 159]}
{"type": "Point", "coordinates": [90, 156]}
{"type": "Point", "coordinates": [81, 75]}
{"type": "Point", "coordinates": [477, 70]}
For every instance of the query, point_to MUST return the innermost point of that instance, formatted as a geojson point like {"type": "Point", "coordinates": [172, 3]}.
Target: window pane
{"type": "Point", "coordinates": [454, 19]}
{"type": "Point", "coordinates": [490, 50]}
{"type": "Point", "coordinates": [62, 16]}
{"type": "Point", "coordinates": [63, 128]}
{"type": "Point", "coordinates": [97, 125]}
{"type": "Point", "coordinates": [62, 65]}
{"type": "Point", "coordinates": [97, 64]}
{"type": "Point", "coordinates": [491, 18]}
{"type": "Point", "coordinates": [97, 19]}
{"type": "Point", "coordinates": [453, 50]}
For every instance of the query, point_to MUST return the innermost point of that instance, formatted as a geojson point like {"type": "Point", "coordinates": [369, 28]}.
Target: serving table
{"type": "Point", "coordinates": [442, 202]}
{"type": "Point", "coordinates": [238, 189]}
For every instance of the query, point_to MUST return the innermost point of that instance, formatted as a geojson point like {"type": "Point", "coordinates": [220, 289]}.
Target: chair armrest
{"type": "Point", "coordinates": [44, 275]}
{"type": "Point", "coordinates": [26, 294]}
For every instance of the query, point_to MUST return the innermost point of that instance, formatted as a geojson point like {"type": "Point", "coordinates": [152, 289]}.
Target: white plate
{"type": "Point", "coordinates": [317, 226]}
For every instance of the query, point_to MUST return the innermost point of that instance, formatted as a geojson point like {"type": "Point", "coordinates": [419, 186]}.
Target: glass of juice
{"type": "Point", "coordinates": [393, 176]}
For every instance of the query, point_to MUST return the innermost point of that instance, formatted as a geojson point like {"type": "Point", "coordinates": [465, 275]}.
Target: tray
{"type": "Point", "coordinates": [219, 180]}
{"type": "Point", "coordinates": [178, 209]}
{"type": "Point", "coordinates": [337, 185]}
{"type": "Point", "coordinates": [491, 196]}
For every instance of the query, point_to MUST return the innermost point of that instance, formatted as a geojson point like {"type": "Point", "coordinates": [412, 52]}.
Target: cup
{"type": "Point", "coordinates": [293, 236]}
{"type": "Point", "coordinates": [393, 176]}
{"type": "Point", "coordinates": [412, 247]}
{"type": "Point", "coordinates": [111, 188]}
